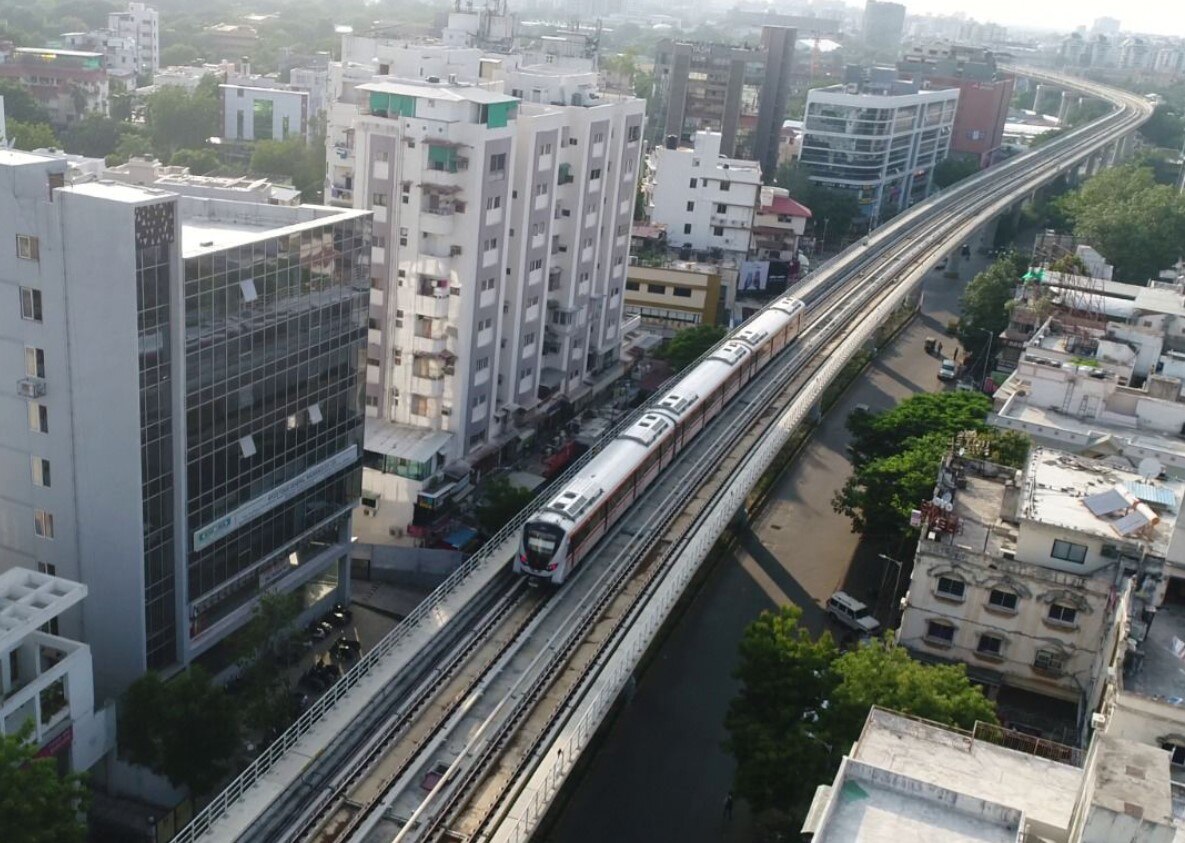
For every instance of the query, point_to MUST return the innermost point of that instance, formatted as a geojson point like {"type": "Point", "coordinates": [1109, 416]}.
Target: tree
{"type": "Point", "coordinates": [94, 136]}
{"type": "Point", "coordinates": [178, 119]}
{"type": "Point", "coordinates": [19, 105]}
{"type": "Point", "coordinates": [1165, 128]}
{"type": "Point", "coordinates": [31, 135]}
{"type": "Point", "coordinates": [1137, 224]}
{"type": "Point", "coordinates": [500, 502]}
{"type": "Point", "coordinates": [802, 702]}
{"type": "Point", "coordinates": [954, 169]}
{"type": "Point", "coordinates": [984, 303]}
{"type": "Point", "coordinates": [832, 210]}
{"type": "Point", "coordinates": [1070, 265]}
{"type": "Point", "coordinates": [263, 689]}
{"type": "Point", "coordinates": [186, 729]}
{"type": "Point", "coordinates": [36, 804]}
{"type": "Point", "coordinates": [687, 345]}
{"type": "Point", "coordinates": [176, 54]}
{"type": "Point", "coordinates": [303, 163]}
{"type": "Point", "coordinates": [199, 161]}
{"type": "Point", "coordinates": [896, 455]}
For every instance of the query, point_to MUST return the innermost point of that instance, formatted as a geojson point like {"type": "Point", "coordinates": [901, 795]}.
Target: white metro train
{"type": "Point", "coordinates": [562, 532]}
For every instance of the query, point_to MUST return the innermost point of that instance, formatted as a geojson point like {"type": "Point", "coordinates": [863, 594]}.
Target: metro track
{"type": "Point", "coordinates": [478, 710]}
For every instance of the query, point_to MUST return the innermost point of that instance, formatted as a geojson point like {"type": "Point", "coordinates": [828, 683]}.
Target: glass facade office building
{"type": "Point", "coordinates": [275, 333]}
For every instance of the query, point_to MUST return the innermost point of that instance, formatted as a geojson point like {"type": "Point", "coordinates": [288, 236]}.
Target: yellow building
{"type": "Point", "coordinates": [679, 295]}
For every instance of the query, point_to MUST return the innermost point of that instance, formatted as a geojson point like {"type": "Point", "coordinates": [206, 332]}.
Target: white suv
{"type": "Point", "coordinates": [852, 613]}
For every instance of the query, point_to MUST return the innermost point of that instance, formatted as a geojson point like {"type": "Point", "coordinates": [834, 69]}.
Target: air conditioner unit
{"type": "Point", "coordinates": [31, 387]}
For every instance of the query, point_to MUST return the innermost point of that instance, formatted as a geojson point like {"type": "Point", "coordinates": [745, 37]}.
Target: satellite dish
{"type": "Point", "coordinates": [1150, 467]}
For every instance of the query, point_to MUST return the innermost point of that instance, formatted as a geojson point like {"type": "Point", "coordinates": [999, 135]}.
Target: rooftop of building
{"type": "Point", "coordinates": [1160, 671]}
{"type": "Point", "coordinates": [1132, 779]}
{"type": "Point", "coordinates": [439, 90]}
{"type": "Point", "coordinates": [29, 600]}
{"type": "Point", "coordinates": [77, 54]}
{"type": "Point", "coordinates": [415, 444]}
{"type": "Point", "coordinates": [876, 806]}
{"type": "Point", "coordinates": [1161, 298]}
{"type": "Point", "coordinates": [784, 205]}
{"type": "Point", "coordinates": [1043, 790]}
{"type": "Point", "coordinates": [1097, 498]}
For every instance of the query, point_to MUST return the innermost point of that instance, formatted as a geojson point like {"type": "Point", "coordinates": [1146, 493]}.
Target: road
{"type": "Point", "coordinates": [661, 772]}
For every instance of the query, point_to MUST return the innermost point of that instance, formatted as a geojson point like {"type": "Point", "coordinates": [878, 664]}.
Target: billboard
{"type": "Point", "coordinates": [754, 277]}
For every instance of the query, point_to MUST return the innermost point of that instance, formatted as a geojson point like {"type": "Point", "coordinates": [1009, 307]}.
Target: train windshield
{"type": "Point", "coordinates": [540, 543]}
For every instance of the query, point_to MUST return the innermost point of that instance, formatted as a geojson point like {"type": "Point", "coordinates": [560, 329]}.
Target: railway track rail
{"type": "Point", "coordinates": [454, 747]}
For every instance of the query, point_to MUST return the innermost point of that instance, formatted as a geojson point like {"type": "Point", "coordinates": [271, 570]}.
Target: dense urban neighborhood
{"type": "Point", "coordinates": [519, 420]}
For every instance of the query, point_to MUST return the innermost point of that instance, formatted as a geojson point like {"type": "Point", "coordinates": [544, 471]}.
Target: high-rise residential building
{"type": "Point", "coordinates": [739, 91]}
{"type": "Point", "coordinates": [883, 26]}
{"type": "Point", "coordinates": [706, 200]}
{"type": "Point", "coordinates": [881, 141]}
{"type": "Point", "coordinates": [1105, 26]}
{"type": "Point", "coordinates": [500, 244]}
{"type": "Point", "coordinates": [985, 94]}
{"type": "Point", "coordinates": [140, 23]}
{"type": "Point", "coordinates": [68, 84]}
{"type": "Point", "coordinates": [251, 113]}
{"type": "Point", "coordinates": [183, 424]}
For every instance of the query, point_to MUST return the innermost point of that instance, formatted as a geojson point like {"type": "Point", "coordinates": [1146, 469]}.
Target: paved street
{"type": "Point", "coordinates": [662, 772]}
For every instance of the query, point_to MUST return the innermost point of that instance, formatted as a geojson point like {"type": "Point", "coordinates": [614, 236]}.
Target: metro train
{"type": "Point", "coordinates": [563, 531]}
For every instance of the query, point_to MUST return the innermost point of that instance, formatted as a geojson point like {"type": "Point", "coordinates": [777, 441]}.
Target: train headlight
{"type": "Point", "coordinates": [552, 566]}
{"type": "Point", "coordinates": [522, 557]}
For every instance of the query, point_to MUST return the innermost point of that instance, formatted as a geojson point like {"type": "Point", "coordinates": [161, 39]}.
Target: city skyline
{"type": "Point", "coordinates": [1142, 16]}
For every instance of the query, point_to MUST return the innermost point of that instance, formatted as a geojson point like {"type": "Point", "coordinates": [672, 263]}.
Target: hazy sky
{"type": "Point", "coordinates": [1166, 17]}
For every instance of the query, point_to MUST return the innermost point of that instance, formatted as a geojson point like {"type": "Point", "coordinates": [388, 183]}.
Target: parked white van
{"type": "Point", "coordinates": [852, 613]}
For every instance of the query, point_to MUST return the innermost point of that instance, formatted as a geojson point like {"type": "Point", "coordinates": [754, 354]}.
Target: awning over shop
{"type": "Point", "coordinates": [460, 537]}
{"type": "Point", "coordinates": [418, 444]}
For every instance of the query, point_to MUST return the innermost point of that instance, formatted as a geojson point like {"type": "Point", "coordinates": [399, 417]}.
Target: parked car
{"type": "Point", "coordinates": [852, 613]}
{"type": "Point", "coordinates": [941, 265]}
{"type": "Point", "coordinates": [947, 370]}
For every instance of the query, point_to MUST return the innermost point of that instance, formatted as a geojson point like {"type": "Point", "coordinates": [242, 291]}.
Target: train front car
{"type": "Point", "coordinates": [542, 549]}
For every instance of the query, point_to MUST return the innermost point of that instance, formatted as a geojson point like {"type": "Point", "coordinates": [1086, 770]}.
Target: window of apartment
{"type": "Point", "coordinates": [493, 203]}
{"type": "Point", "coordinates": [599, 137]}
{"type": "Point", "coordinates": [1003, 601]}
{"type": "Point", "coordinates": [990, 645]}
{"type": "Point", "coordinates": [657, 289]}
{"type": "Point", "coordinates": [489, 243]}
{"type": "Point", "coordinates": [34, 362]}
{"type": "Point", "coordinates": [43, 523]}
{"type": "Point", "coordinates": [595, 174]}
{"type": "Point", "coordinates": [690, 206]}
{"type": "Point", "coordinates": [38, 417]}
{"type": "Point", "coordinates": [632, 286]}
{"type": "Point", "coordinates": [31, 304]}
{"type": "Point", "coordinates": [682, 292]}
{"type": "Point", "coordinates": [1059, 613]}
{"type": "Point", "coordinates": [372, 401]}
{"type": "Point", "coordinates": [529, 338]}
{"type": "Point", "coordinates": [951, 588]}
{"type": "Point", "coordinates": [1049, 661]}
{"type": "Point", "coordinates": [27, 247]}
{"type": "Point", "coordinates": [419, 405]}
{"type": "Point", "coordinates": [498, 163]}
{"type": "Point", "coordinates": [482, 364]}
{"type": "Point", "coordinates": [633, 133]}
{"type": "Point", "coordinates": [378, 200]}
{"type": "Point", "coordinates": [40, 472]}
{"type": "Point", "coordinates": [532, 301]}
{"type": "Point", "coordinates": [485, 324]}
{"type": "Point", "coordinates": [47, 568]}
{"type": "Point", "coordinates": [536, 264]}
{"type": "Point", "coordinates": [718, 230]}
{"type": "Point", "coordinates": [692, 185]}
{"type": "Point", "coordinates": [478, 400]}
{"type": "Point", "coordinates": [545, 149]}
{"type": "Point", "coordinates": [721, 208]}
{"type": "Point", "coordinates": [725, 185]}
{"type": "Point", "coordinates": [1177, 756]}
{"type": "Point", "coordinates": [487, 284]}
{"type": "Point", "coordinates": [939, 632]}
{"type": "Point", "coordinates": [1068, 551]}
{"type": "Point", "coordinates": [686, 228]}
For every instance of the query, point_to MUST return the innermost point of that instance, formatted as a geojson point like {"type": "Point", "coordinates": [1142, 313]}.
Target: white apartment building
{"type": "Point", "coordinates": [706, 201]}
{"type": "Point", "coordinates": [47, 679]}
{"type": "Point", "coordinates": [910, 779]}
{"type": "Point", "coordinates": [500, 244]}
{"type": "Point", "coordinates": [252, 113]}
{"type": "Point", "coordinates": [122, 52]}
{"type": "Point", "coordinates": [181, 427]}
{"type": "Point", "coordinates": [141, 24]}
{"type": "Point", "coordinates": [187, 77]}
{"type": "Point", "coordinates": [881, 146]}
{"type": "Point", "coordinates": [1017, 573]}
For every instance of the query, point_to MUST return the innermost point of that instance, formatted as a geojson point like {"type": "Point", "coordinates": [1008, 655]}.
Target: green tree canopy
{"type": "Point", "coordinates": [1137, 224]}
{"type": "Point", "coordinates": [186, 729]}
{"type": "Point", "coordinates": [19, 105]}
{"type": "Point", "coordinates": [1165, 128]}
{"type": "Point", "coordinates": [199, 161]}
{"type": "Point", "coordinates": [294, 159]}
{"type": "Point", "coordinates": [896, 455]}
{"type": "Point", "coordinates": [688, 344]}
{"type": "Point", "coordinates": [94, 136]}
{"type": "Point", "coordinates": [954, 169]}
{"type": "Point", "coordinates": [1069, 264]}
{"type": "Point", "coordinates": [833, 211]}
{"type": "Point", "coordinates": [178, 119]}
{"type": "Point", "coordinates": [984, 303]}
{"type": "Point", "coordinates": [175, 54]}
{"type": "Point", "coordinates": [500, 502]}
{"type": "Point", "coordinates": [36, 804]}
{"type": "Point", "coordinates": [802, 702]}
{"type": "Point", "coordinates": [263, 688]}
{"type": "Point", "coordinates": [31, 135]}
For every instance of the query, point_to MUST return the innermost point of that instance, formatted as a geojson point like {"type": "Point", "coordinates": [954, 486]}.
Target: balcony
{"type": "Point", "coordinates": [433, 345]}
{"type": "Point", "coordinates": [31, 387]}
{"type": "Point", "coordinates": [428, 387]}
{"type": "Point", "coordinates": [340, 196]}
{"type": "Point", "coordinates": [435, 306]}
{"type": "Point", "coordinates": [729, 222]}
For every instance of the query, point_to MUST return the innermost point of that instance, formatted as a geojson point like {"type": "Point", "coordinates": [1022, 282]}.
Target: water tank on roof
{"type": "Point", "coordinates": [672, 142]}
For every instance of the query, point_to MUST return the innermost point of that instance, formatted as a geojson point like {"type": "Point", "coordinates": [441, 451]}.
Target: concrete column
{"type": "Point", "coordinates": [1041, 98]}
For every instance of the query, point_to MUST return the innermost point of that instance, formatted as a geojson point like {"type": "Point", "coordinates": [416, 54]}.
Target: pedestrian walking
{"type": "Point", "coordinates": [728, 806]}
{"type": "Point", "coordinates": [939, 349]}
